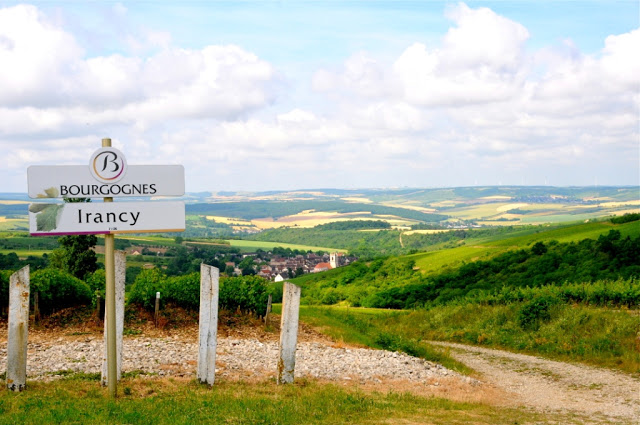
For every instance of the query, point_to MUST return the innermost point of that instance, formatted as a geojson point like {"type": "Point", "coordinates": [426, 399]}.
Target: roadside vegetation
{"type": "Point", "coordinates": [80, 399]}
{"type": "Point", "coordinates": [569, 332]}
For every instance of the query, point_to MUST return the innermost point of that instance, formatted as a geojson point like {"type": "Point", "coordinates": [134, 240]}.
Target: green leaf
{"type": "Point", "coordinates": [48, 218]}
{"type": "Point", "coordinates": [52, 192]}
{"type": "Point", "coordinates": [36, 208]}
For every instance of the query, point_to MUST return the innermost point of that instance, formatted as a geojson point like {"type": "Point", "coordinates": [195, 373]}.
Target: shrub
{"type": "Point", "coordinates": [58, 289]}
{"type": "Point", "coordinates": [97, 283]}
{"type": "Point", "coordinates": [147, 283]}
{"type": "Point", "coordinates": [536, 311]}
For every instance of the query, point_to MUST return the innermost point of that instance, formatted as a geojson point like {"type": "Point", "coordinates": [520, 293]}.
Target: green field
{"type": "Point", "coordinates": [475, 249]}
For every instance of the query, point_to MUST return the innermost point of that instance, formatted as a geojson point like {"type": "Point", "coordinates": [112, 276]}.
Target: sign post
{"type": "Point", "coordinates": [107, 176]}
{"type": "Point", "coordinates": [110, 273]}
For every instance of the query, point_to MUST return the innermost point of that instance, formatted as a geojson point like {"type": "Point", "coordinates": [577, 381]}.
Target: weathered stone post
{"type": "Point", "coordinates": [18, 330]}
{"type": "Point", "coordinates": [208, 332]}
{"type": "Point", "coordinates": [288, 332]}
{"type": "Point", "coordinates": [120, 275]}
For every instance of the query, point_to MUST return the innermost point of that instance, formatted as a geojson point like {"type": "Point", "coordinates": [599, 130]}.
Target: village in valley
{"type": "Point", "coordinates": [277, 265]}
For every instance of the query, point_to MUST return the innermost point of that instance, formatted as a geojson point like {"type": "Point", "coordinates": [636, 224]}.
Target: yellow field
{"type": "Point", "coordinates": [309, 219]}
{"type": "Point", "coordinates": [623, 212]}
{"type": "Point", "coordinates": [409, 207]}
{"type": "Point", "coordinates": [443, 204]}
{"type": "Point", "coordinates": [229, 220]}
{"type": "Point", "coordinates": [619, 204]}
{"type": "Point", "coordinates": [508, 207]}
{"type": "Point", "coordinates": [7, 202]}
{"type": "Point", "coordinates": [360, 200]}
{"type": "Point", "coordinates": [426, 232]}
{"type": "Point", "coordinates": [497, 197]}
{"type": "Point", "coordinates": [476, 211]}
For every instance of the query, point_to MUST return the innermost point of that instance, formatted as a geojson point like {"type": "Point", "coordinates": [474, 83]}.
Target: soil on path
{"type": "Point", "coordinates": [602, 395]}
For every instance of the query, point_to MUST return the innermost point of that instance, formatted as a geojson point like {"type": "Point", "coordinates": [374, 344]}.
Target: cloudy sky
{"type": "Point", "coordinates": [270, 95]}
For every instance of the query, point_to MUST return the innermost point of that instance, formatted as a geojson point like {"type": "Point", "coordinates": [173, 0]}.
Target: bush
{"type": "Point", "coordinates": [97, 282]}
{"type": "Point", "coordinates": [147, 283]}
{"type": "Point", "coordinates": [58, 289]}
{"type": "Point", "coordinates": [535, 312]}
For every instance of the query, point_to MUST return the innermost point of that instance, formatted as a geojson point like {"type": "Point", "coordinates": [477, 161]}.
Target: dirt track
{"type": "Point", "coordinates": [603, 395]}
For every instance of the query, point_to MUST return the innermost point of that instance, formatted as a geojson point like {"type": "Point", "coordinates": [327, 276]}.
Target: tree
{"type": "Point", "coordinates": [75, 254]}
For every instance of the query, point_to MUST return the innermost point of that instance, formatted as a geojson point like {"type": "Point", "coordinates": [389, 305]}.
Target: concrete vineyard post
{"type": "Point", "coordinates": [18, 330]}
{"type": "Point", "coordinates": [208, 331]}
{"type": "Point", "coordinates": [288, 333]}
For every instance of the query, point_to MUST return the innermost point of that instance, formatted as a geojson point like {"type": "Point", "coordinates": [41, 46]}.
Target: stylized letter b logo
{"type": "Point", "coordinates": [108, 165]}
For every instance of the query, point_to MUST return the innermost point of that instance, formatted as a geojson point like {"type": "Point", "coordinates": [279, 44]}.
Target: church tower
{"type": "Point", "coordinates": [333, 260]}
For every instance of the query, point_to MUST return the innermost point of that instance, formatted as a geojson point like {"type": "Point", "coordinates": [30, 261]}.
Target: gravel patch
{"type": "Point", "coordinates": [236, 358]}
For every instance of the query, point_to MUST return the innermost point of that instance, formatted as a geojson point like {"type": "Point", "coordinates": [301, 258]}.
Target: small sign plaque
{"type": "Point", "coordinates": [81, 218]}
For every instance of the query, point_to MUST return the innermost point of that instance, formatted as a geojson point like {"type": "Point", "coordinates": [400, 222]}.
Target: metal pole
{"type": "Point", "coordinates": [110, 301]}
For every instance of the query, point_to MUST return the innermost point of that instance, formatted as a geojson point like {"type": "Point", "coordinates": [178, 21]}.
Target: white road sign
{"type": "Point", "coordinates": [79, 218]}
{"type": "Point", "coordinates": [77, 181]}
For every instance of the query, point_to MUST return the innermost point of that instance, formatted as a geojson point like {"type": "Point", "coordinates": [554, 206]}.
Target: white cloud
{"type": "Point", "coordinates": [48, 68]}
{"type": "Point", "coordinates": [477, 103]}
{"type": "Point", "coordinates": [482, 38]}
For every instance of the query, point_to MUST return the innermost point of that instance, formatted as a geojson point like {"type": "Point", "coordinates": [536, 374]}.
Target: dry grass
{"type": "Point", "coordinates": [500, 197]}
{"type": "Point", "coordinates": [306, 219]}
{"type": "Point", "coordinates": [229, 220]}
{"type": "Point", "coordinates": [357, 200]}
{"type": "Point", "coordinates": [426, 232]}
{"type": "Point", "coordinates": [409, 207]}
{"type": "Point", "coordinates": [505, 208]}
{"type": "Point", "coordinates": [619, 204]}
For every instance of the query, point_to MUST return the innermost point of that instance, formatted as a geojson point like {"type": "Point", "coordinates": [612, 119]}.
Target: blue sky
{"type": "Point", "coordinates": [275, 95]}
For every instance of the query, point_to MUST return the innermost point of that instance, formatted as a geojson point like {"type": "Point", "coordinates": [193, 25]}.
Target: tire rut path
{"type": "Point", "coordinates": [604, 395]}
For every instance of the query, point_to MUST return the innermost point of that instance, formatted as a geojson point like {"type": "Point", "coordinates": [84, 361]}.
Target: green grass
{"type": "Point", "coordinates": [365, 327]}
{"type": "Point", "coordinates": [484, 248]}
{"type": "Point", "coordinates": [596, 336]}
{"type": "Point", "coordinates": [26, 252]}
{"type": "Point", "coordinates": [145, 401]}
{"type": "Point", "coordinates": [14, 225]}
{"type": "Point", "coordinates": [578, 333]}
